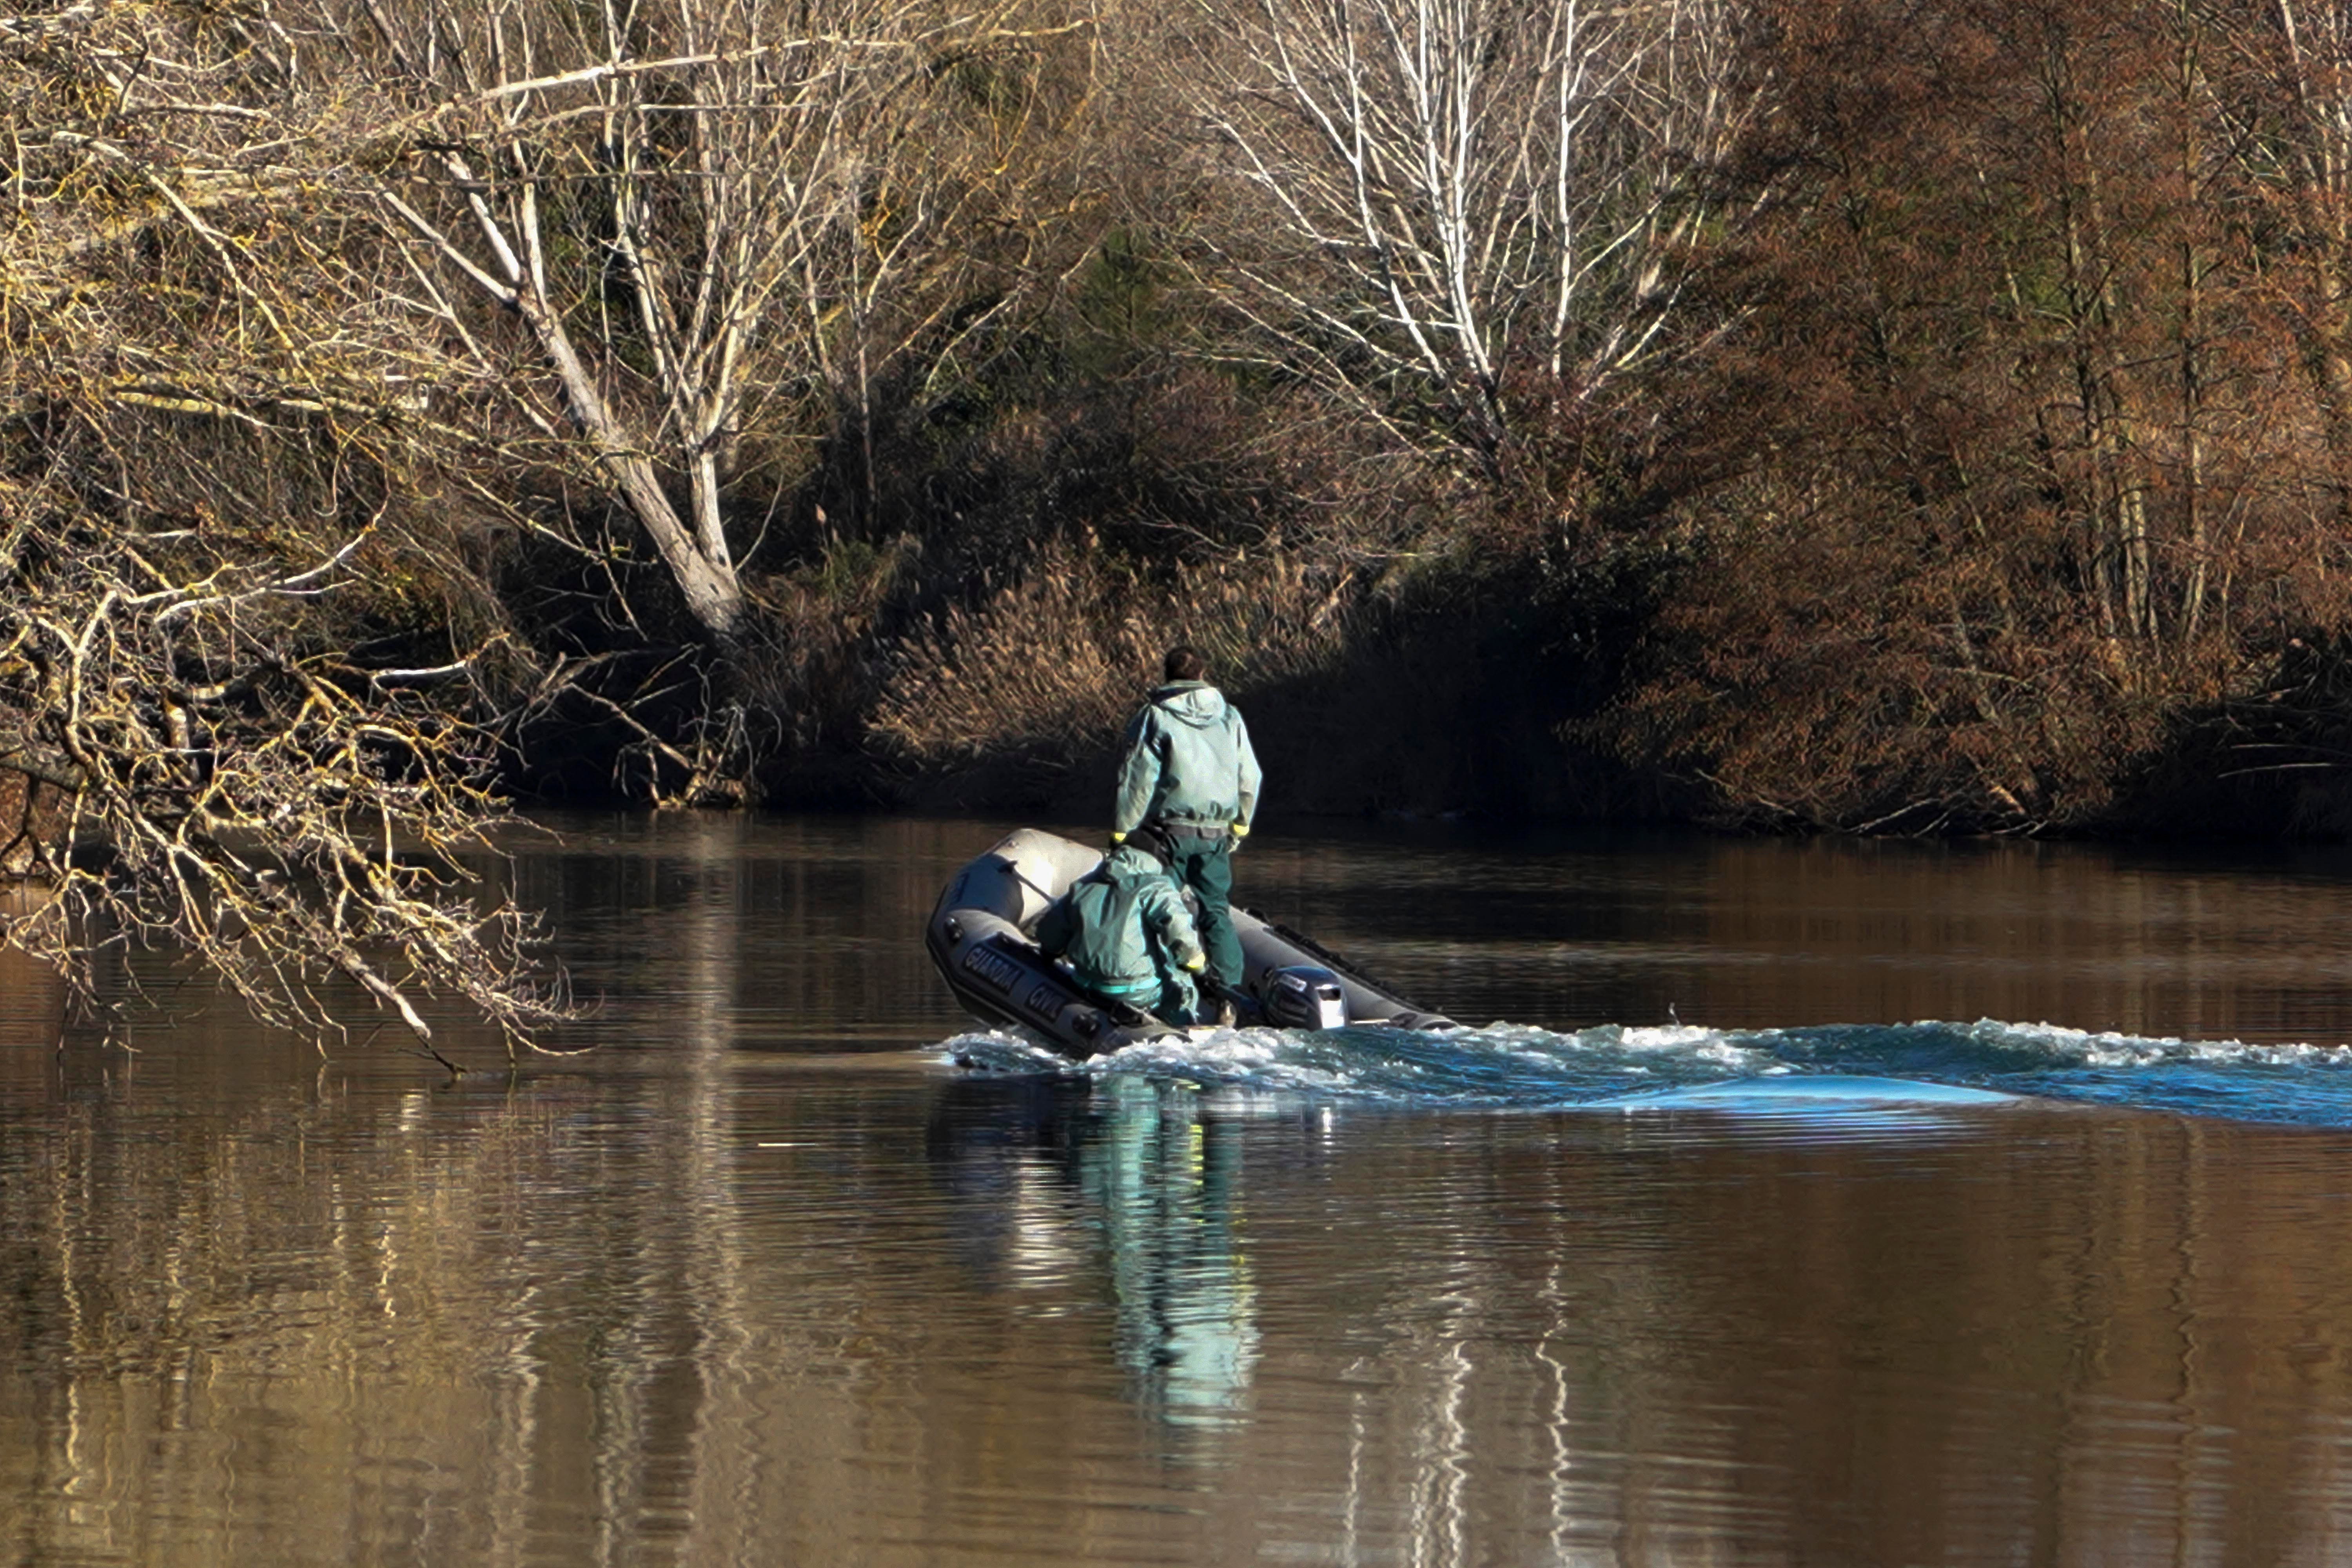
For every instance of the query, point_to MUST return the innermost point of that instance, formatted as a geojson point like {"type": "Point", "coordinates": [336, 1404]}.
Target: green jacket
{"type": "Point", "coordinates": [1188, 759]}
{"type": "Point", "coordinates": [1123, 925]}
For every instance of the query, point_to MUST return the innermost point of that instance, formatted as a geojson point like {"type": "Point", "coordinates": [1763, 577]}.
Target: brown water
{"type": "Point", "coordinates": [763, 1278]}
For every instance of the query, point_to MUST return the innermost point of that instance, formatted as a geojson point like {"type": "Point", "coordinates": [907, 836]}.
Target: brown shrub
{"type": "Point", "coordinates": [1007, 702]}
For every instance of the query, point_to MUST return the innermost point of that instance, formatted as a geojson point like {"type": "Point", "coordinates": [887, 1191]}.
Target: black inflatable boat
{"type": "Point", "coordinates": [980, 935]}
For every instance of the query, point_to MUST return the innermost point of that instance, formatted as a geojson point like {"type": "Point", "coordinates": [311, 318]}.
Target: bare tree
{"type": "Point", "coordinates": [2290, 96]}
{"type": "Point", "coordinates": [1469, 182]}
{"type": "Point", "coordinates": [663, 192]}
{"type": "Point", "coordinates": [306, 307]}
{"type": "Point", "coordinates": [555, 251]}
{"type": "Point", "coordinates": [212, 474]}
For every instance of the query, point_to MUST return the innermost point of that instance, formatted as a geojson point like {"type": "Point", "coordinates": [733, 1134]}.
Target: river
{"type": "Point", "coordinates": [1783, 1203]}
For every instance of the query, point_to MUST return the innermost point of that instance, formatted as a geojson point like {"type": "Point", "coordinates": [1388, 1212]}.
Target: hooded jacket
{"type": "Point", "coordinates": [1188, 760]}
{"type": "Point", "coordinates": [1120, 923]}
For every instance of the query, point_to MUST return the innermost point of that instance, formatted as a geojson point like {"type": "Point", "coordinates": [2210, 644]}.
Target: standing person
{"type": "Point", "coordinates": [1125, 931]}
{"type": "Point", "coordinates": [1189, 775]}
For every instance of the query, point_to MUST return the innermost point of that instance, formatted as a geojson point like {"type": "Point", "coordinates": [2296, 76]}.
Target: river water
{"type": "Point", "coordinates": [1784, 1203]}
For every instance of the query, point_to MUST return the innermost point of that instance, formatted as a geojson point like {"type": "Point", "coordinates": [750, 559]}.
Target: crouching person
{"type": "Point", "coordinates": [1128, 937]}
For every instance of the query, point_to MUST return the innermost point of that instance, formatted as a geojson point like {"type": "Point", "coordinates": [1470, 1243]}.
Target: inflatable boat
{"type": "Point", "coordinates": [981, 936]}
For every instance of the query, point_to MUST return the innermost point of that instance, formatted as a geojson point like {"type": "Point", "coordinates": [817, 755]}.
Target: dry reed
{"type": "Point", "coordinates": [1048, 670]}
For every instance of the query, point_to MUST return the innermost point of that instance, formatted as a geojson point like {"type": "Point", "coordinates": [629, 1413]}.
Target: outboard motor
{"type": "Point", "coordinates": [1303, 997]}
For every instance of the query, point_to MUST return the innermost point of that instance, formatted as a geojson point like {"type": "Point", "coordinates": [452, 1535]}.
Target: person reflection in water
{"type": "Point", "coordinates": [1126, 934]}
{"type": "Point", "coordinates": [1162, 1189]}
{"type": "Point", "coordinates": [1166, 1181]}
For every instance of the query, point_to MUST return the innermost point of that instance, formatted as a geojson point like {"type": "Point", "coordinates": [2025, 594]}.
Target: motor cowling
{"type": "Point", "coordinates": [1303, 997]}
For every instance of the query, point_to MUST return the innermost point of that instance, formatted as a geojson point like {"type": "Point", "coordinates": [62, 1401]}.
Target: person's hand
{"type": "Point", "coordinates": [1241, 831]}
{"type": "Point", "coordinates": [1117, 839]}
{"type": "Point", "coordinates": [1197, 965]}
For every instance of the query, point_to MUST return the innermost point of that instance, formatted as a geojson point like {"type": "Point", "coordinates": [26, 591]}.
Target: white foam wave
{"type": "Point", "coordinates": [1506, 1064]}
{"type": "Point", "coordinates": [2113, 1049]}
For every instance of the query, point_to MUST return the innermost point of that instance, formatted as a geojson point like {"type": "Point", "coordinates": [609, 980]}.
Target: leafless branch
{"type": "Point", "coordinates": [1463, 182]}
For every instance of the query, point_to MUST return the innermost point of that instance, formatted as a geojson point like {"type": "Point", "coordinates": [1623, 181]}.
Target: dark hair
{"type": "Point", "coordinates": [1184, 662]}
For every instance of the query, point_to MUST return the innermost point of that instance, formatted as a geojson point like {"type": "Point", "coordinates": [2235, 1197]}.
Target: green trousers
{"type": "Point", "coordinates": [1205, 866]}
